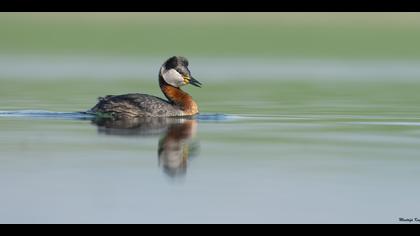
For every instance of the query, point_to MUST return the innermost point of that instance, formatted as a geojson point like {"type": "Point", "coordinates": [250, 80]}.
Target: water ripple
{"type": "Point", "coordinates": [46, 114]}
{"type": "Point", "coordinates": [217, 117]}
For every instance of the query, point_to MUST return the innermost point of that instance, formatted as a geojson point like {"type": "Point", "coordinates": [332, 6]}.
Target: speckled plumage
{"type": "Point", "coordinates": [136, 105]}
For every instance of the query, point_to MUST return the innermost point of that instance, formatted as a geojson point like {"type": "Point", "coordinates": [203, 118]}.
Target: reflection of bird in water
{"type": "Point", "coordinates": [176, 145]}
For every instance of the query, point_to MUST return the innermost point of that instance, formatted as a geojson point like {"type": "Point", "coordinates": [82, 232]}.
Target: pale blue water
{"type": "Point", "coordinates": [277, 141]}
{"type": "Point", "coordinates": [220, 168]}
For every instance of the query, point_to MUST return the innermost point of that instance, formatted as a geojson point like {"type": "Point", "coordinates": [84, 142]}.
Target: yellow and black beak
{"type": "Point", "coordinates": [192, 81]}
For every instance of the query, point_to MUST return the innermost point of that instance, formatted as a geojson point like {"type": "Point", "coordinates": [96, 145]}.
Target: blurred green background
{"type": "Point", "coordinates": [332, 35]}
{"type": "Point", "coordinates": [318, 37]}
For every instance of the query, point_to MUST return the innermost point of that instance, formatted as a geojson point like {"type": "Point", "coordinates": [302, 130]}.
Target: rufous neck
{"type": "Point", "coordinates": [179, 98]}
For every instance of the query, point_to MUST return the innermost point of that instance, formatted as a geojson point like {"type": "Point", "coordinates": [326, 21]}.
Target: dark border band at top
{"type": "Point", "coordinates": [208, 5]}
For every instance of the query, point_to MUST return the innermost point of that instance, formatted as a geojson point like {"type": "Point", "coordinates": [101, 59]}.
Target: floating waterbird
{"type": "Point", "coordinates": [173, 74]}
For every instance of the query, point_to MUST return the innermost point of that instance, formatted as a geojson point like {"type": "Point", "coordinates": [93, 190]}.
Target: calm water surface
{"type": "Point", "coordinates": [268, 151]}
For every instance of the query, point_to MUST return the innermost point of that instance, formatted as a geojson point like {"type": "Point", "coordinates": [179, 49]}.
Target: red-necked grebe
{"type": "Point", "coordinates": [173, 74]}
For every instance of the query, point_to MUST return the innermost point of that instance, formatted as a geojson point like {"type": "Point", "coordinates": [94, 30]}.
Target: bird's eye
{"type": "Point", "coordinates": [180, 71]}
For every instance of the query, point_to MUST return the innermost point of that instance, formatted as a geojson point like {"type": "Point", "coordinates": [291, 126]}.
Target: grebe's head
{"type": "Point", "coordinates": [176, 73]}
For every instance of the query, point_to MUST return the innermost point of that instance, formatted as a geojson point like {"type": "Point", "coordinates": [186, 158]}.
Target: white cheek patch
{"type": "Point", "coordinates": [172, 77]}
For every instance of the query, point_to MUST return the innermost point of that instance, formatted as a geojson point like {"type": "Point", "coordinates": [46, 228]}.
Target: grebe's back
{"type": "Point", "coordinates": [135, 105]}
